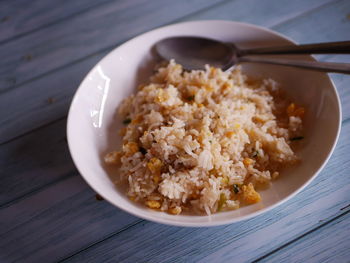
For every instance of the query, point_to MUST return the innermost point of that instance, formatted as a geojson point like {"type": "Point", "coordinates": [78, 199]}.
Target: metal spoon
{"type": "Point", "coordinates": [195, 52]}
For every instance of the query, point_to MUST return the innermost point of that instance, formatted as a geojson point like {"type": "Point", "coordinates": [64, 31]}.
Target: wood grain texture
{"type": "Point", "coordinates": [83, 35]}
{"type": "Point", "coordinates": [17, 21]}
{"type": "Point", "coordinates": [53, 94]}
{"type": "Point", "coordinates": [51, 102]}
{"type": "Point", "coordinates": [315, 25]}
{"type": "Point", "coordinates": [70, 221]}
{"type": "Point", "coordinates": [61, 84]}
{"type": "Point", "coordinates": [33, 161]}
{"type": "Point", "coordinates": [56, 222]}
{"type": "Point", "coordinates": [240, 242]}
{"type": "Point", "coordinates": [330, 243]}
{"type": "Point", "coordinates": [268, 14]}
{"type": "Point", "coordinates": [51, 213]}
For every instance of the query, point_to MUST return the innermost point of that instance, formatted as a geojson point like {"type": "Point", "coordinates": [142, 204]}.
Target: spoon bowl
{"type": "Point", "coordinates": [196, 52]}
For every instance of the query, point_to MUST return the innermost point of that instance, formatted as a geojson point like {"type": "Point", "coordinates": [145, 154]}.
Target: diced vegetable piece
{"type": "Point", "coordinates": [225, 180]}
{"type": "Point", "coordinates": [293, 110]}
{"type": "Point", "coordinates": [190, 98]}
{"type": "Point", "coordinates": [127, 121]}
{"type": "Point", "coordinates": [236, 188]}
{"type": "Point", "coordinates": [298, 138]}
{"type": "Point", "coordinates": [130, 148]}
{"type": "Point", "coordinates": [143, 150]}
{"type": "Point", "coordinates": [247, 161]}
{"type": "Point", "coordinates": [155, 165]}
{"type": "Point", "coordinates": [222, 201]}
{"type": "Point", "coordinates": [153, 204]}
{"type": "Point", "coordinates": [229, 134]}
{"type": "Point", "coordinates": [290, 109]}
{"type": "Point", "coordinates": [250, 196]}
{"type": "Point", "coordinates": [175, 211]}
{"type": "Point", "coordinates": [299, 112]}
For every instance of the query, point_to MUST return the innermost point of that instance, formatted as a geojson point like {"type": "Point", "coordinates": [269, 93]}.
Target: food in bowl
{"type": "Point", "coordinates": [204, 141]}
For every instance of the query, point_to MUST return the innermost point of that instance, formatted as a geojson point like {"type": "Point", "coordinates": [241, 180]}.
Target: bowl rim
{"type": "Point", "coordinates": [208, 223]}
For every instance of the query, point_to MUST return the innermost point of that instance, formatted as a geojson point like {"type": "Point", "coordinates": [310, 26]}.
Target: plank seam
{"type": "Point", "coordinates": [38, 189]}
{"type": "Point", "coordinates": [34, 130]}
{"type": "Point", "coordinates": [257, 260]}
{"type": "Point", "coordinates": [63, 178]}
{"type": "Point", "coordinates": [109, 48]}
{"type": "Point", "coordinates": [305, 13]}
{"type": "Point", "coordinates": [101, 240]}
{"type": "Point", "coordinates": [301, 236]}
{"type": "Point", "coordinates": [15, 37]}
{"type": "Point", "coordinates": [100, 51]}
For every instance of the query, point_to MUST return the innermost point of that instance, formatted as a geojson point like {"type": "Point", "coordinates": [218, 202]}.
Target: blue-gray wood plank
{"type": "Point", "coordinates": [61, 82]}
{"type": "Point", "coordinates": [27, 56]}
{"type": "Point", "coordinates": [244, 241]}
{"type": "Point", "coordinates": [331, 243]}
{"type": "Point", "coordinates": [47, 212]}
{"type": "Point", "coordinates": [17, 21]}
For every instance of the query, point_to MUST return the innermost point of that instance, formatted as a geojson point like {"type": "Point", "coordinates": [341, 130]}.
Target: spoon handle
{"type": "Point", "coordinates": [342, 47]}
{"type": "Point", "coordinates": [314, 65]}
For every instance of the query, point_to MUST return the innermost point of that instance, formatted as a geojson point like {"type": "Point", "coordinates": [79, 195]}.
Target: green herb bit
{"type": "Point", "coordinates": [127, 121]}
{"type": "Point", "coordinates": [190, 98]}
{"type": "Point", "coordinates": [143, 150]}
{"type": "Point", "coordinates": [297, 138]}
{"type": "Point", "coordinates": [236, 188]}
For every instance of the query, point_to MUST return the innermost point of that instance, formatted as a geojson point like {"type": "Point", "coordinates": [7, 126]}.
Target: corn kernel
{"type": "Point", "coordinates": [113, 157]}
{"type": "Point", "coordinates": [155, 165]}
{"type": "Point", "coordinates": [225, 180]}
{"type": "Point", "coordinates": [229, 134]}
{"type": "Point", "coordinates": [248, 161]}
{"type": "Point", "coordinates": [132, 198]}
{"type": "Point", "coordinates": [200, 105]}
{"type": "Point", "coordinates": [175, 211]}
{"type": "Point", "coordinates": [226, 86]}
{"type": "Point", "coordinates": [156, 179]}
{"type": "Point", "coordinates": [212, 71]}
{"type": "Point", "coordinates": [160, 96]}
{"type": "Point", "coordinates": [130, 148]}
{"type": "Point", "coordinates": [122, 131]}
{"type": "Point", "coordinates": [208, 87]}
{"type": "Point", "coordinates": [153, 204]}
{"type": "Point", "coordinates": [137, 120]}
{"type": "Point", "coordinates": [258, 119]}
{"type": "Point", "coordinates": [222, 201]}
{"type": "Point", "coordinates": [237, 125]}
{"type": "Point", "coordinates": [250, 196]}
{"type": "Point", "coordinates": [291, 109]}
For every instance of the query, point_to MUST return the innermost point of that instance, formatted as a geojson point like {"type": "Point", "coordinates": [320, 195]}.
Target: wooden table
{"type": "Point", "coordinates": [49, 214]}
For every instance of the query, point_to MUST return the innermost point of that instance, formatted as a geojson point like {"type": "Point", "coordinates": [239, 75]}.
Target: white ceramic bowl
{"type": "Point", "coordinates": [92, 122]}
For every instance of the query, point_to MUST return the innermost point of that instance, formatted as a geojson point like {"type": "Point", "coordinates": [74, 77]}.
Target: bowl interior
{"type": "Point", "coordinates": [93, 123]}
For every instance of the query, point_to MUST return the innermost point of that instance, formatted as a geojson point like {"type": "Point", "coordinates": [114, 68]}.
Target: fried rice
{"type": "Point", "coordinates": [204, 141]}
